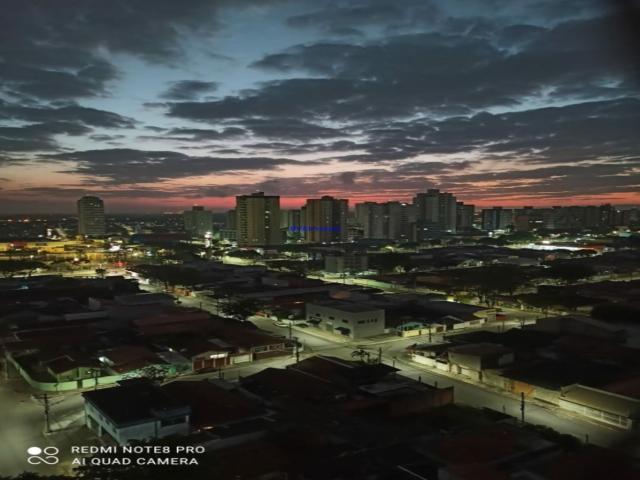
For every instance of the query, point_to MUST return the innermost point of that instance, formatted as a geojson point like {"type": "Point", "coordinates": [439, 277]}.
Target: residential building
{"type": "Point", "coordinates": [613, 409]}
{"type": "Point", "coordinates": [324, 220]}
{"type": "Point", "coordinates": [290, 218]}
{"type": "Point", "coordinates": [198, 222]}
{"type": "Point", "coordinates": [346, 318]}
{"type": "Point", "coordinates": [258, 219]}
{"type": "Point", "coordinates": [91, 219]}
{"type": "Point", "coordinates": [435, 213]}
{"type": "Point", "coordinates": [390, 220]}
{"type": "Point", "coordinates": [136, 410]}
{"type": "Point", "coordinates": [464, 216]}
{"type": "Point", "coordinates": [230, 220]}
{"type": "Point", "coordinates": [496, 218]}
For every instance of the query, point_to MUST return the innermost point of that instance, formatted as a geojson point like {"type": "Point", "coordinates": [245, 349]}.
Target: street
{"type": "Point", "coordinates": [23, 426]}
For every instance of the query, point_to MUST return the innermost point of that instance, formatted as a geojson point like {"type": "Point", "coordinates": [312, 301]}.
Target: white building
{"type": "Point", "coordinates": [137, 410]}
{"type": "Point", "coordinates": [345, 318]}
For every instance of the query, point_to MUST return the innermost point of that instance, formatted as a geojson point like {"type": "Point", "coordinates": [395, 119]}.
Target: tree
{"type": "Point", "coordinates": [171, 275]}
{"type": "Point", "coordinates": [616, 312]}
{"type": "Point", "coordinates": [9, 268]}
{"type": "Point", "coordinates": [101, 272]}
{"type": "Point", "coordinates": [489, 282]}
{"type": "Point", "coordinates": [570, 271]}
{"type": "Point", "coordinates": [241, 309]}
{"type": "Point", "coordinates": [389, 262]}
{"type": "Point", "coordinates": [361, 354]}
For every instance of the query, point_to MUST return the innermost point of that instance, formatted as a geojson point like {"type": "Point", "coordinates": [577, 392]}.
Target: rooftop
{"type": "Point", "coordinates": [601, 400]}
{"type": "Point", "coordinates": [133, 402]}
{"type": "Point", "coordinates": [346, 306]}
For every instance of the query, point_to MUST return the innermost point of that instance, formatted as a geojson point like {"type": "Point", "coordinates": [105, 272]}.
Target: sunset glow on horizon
{"type": "Point", "coordinates": [376, 101]}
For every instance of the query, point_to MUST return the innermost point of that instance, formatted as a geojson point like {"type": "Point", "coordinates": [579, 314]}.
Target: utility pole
{"type": "Point", "coordinates": [379, 354]}
{"type": "Point", "coordinates": [47, 419]}
{"type": "Point", "coordinates": [290, 329]}
{"type": "Point", "coordinates": [522, 406]}
{"type": "Point", "coordinates": [297, 350]}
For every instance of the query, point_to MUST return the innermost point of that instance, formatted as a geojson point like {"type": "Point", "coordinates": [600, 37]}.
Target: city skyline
{"type": "Point", "coordinates": [366, 101]}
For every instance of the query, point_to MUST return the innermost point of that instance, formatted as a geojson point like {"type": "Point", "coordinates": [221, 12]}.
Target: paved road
{"type": "Point", "coordinates": [22, 426]}
{"type": "Point", "coordinates": [393, 349]}
{"type": "Point", "coordinates": [477, 396]}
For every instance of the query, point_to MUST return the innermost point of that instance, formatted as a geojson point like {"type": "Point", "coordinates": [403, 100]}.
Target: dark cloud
{"type": "Point", "coordinates": [55, 52]}
{"type": "Point", "coordinates": [37, 136]}
{"type": "Point", "coordinates": [188, 89]}
{"type": "Point", "coordinates": [346, 18]}
{"type": "Point", "coordinates": [128, 166]}
{"type": "Point", "coordinates": [197, 134]}
{"type": "Point", "coordinates": [68, 113]}
{"type": "Point", "coordinates": [290, 129]}
{"type": "Point", "coordinates": [573, 133]}
{"type": "Point", "coordinates": [80, 81]}
{"type": "Point", "coordinates": [430, 74]}
{"type": "Point", "coordinates": [541, 94]}
{"type": "Point", "coordinates": [46, 123]}
{"type": "Point", "coordinates": [106, 138]}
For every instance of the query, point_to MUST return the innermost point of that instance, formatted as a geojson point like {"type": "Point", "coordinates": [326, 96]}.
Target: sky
{"type": "Point", "coordinates": [156, 105]}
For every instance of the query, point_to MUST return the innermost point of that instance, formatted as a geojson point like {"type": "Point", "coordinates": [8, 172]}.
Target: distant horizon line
{"type": "Point", "coordinates": [182, 210]}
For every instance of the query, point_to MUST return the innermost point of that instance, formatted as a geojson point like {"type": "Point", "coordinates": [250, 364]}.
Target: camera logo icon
{"type": "Point", "coordinates": [48, 455]}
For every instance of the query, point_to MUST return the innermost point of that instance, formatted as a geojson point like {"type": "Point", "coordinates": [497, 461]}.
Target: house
{"type": "Point", "coordinates": [348, 374]}
{"type": "Point", "coordinates": [65, 368]}
{"type": "Point", "coordinates": [135, 410]}
{"type": "Point", "coordinates": [579, 325]}
{"type": "Point", "coordinates": [250, 344]}
{"type": "Point", "coordinates": [129, 359]}
{"type": "Point", "coordinates": [214, 403]}
{"type": "Point", "coordinates": [607, 407]}
{"type": "Point", "coordinates": [471, 360]}
{"type": "Point", "coordinates": [202, 354]}
{"type": "Point", "coordinates": [171, 321]}
{"type": "Point", "coordinates": [348, 319]}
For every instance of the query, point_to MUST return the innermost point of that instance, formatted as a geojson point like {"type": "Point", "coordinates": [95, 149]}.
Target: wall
{"type": "Point", "coordinates": [598, 415]}
{"type": "Point", "coordinates": [334, 317]}
{"type": "Point", "coordinates": [61, 386]}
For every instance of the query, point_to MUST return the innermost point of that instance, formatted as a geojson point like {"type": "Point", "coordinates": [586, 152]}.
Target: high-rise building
{"type": "Point", "coordinates": [496, 218]}
{"type": "Point", "coordinates": [258, 219]}
{"type": "Point", "coordinates": [230, 222]}
{"type": "Point", "coordinates": [324, 220]}
{"type": "Point", "coordinates": [290, 219]}
{"type": "Point", "coordinates": [390, 220]}
{"type": "Point", "coordinates": [464, 216]}
{"type": "Point", "coordinates": [198, 222]}
{"type": "Point", "coordinates": [91, 220]}
{"type": "Point", "coordinates": [371, 216]}
{"type": "Point", "coordinates": [435, 212]}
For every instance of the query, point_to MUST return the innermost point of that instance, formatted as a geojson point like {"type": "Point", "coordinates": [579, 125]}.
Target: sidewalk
{"type": "Point", "coordinates": [330, 337]}
{"type": "Point", "coordinates": [554, 409]}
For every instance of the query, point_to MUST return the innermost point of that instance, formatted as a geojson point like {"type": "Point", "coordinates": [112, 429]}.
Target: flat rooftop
{"type": "Point", "coordinates": [346, 306]}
